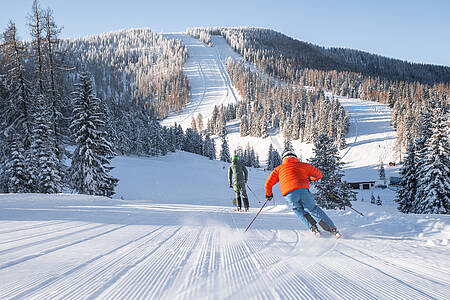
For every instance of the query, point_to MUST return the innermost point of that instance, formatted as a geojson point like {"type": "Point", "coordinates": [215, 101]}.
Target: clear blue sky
{"type": "Point", "coordinates": [412, 30]}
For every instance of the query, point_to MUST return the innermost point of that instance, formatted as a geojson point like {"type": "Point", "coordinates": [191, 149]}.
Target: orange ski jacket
{"type": "Point", "coordinates": [292, 174]}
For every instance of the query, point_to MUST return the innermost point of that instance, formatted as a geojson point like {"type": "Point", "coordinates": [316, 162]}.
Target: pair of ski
{"type": "Point", "coordinates": [337, 234]}
{"type": "Point", "coordinates": [325, 226]}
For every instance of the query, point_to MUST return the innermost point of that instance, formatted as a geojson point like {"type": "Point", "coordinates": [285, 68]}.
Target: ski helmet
{"type": "Point", "coordinates": [288, 153]}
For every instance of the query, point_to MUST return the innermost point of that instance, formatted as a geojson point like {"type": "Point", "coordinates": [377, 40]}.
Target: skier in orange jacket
{"type": "Point", "coordinates": [294, 177]}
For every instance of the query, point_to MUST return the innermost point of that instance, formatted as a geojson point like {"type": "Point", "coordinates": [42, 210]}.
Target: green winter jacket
{"type": "Point", "coordinates": [237, 173]}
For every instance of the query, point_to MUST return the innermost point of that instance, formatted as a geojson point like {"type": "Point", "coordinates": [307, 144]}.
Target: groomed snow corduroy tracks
{"type": "Point", "coordinates": [153, 251]}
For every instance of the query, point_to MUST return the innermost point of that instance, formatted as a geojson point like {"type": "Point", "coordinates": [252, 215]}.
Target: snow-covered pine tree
{"type": "Point", "coordinates": [47, 172]}
{"type": "Point", "coordinates": [17, 178]}
{"type": "Point", "coordinates": [381, 172]}
{"type": "Point", "coordinates": [188, 144]}
{"type": "Point", "coordinates": [270, 158]}
{"type": "Point", "coordinates": [225, 151]}
{"type": "Point", "coordinates": [179, 136]}
{"type": "Point", "coordinates": [244, 130]}
{"type": "Point", "coordinates": [406, 194]}
{"type": "Point", "coordinates": [379, 203]}
{"type": "Point", "coordinates": [273, 159]}
{"type": "Point", "coordinates": [434, 173]}
{"type": "Point", "coordinates": [329, 163]}
{"type": "Point", "coordinates": [16, 109]}
{"type": "Point", "coordinates": [239, 152]}
{"type": "Point", "coordinates": [89, 170]}
{"type": "Point", "coordinates": [252, 158]}
{"type": "Point", "coordinates": [372, 198]}
{"type": "Point", "coordinates": [209, 149]}
{"type": "Point", "coordinates": [287, 145]}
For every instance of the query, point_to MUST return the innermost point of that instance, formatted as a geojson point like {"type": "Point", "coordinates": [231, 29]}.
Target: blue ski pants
{"type": "Point", "coordinates": [302, 201]}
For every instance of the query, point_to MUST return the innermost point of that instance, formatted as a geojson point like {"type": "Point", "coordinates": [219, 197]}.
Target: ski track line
{"type": "Point", "coordinates": [389, 282]}
{"type": "Point", "coordinates": [238, 261]}
{"type": "Point", "coordinates": [356, 137]}
{"type": "Point", "coordinates": [406, 265]}
{"type": "Point", "coordinates": [51, 239]}
{"type": "Point", "coordinates": [339, 286]}
{"type": "Point", "coordinates": [94, 272]}
{"type": "Point", "coordinates": [302, 268]}
{"type": "Point", "coordinates": [356, 273]}
{"type": "Point", "coordinates": [410, 278]}
{"type": "Point", "coordinates": [260, 262]}
{"type": "Point", "coordinates": [28, 227]}
{"type": "Point", "coordinates": [276, 236]}
{"type": "Point", "coordinates": [35, 235]}
{"type": "Point", "coordinates": [196, 271]}
{"type": "Point", "coordinates": [275, 269]}
{"type": "Point", "coordinates": [110, 285]}
{"type": "Point", "coordinates": [202, 98]}
{"type": "Point", "coordinates": [325, 253]}
{"type": "Point", "coordinates": [202, 281]}
{"type": "Point", "coordinates": [153, 275]}
{"type": "Point", "coordinates": [215, 264]}
{"type": "Point", "coordinates": [278, 272]}
{"type": "Point", "coordinates": [50, 250]}
{"type": "Point", "coordinates": [189, 279]}
{"type": "Point", "coordinates": [225, 76]}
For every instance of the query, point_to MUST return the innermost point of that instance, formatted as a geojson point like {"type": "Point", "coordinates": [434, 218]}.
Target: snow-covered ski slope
{"type": "Point", "coordinates": [175, 235]}
{"type": "Point", "coordinates": [371, 138]}
{"type": "Point", "coordinates": [178, 238]}
{"type": "Point", "coordinates": [210, 83]}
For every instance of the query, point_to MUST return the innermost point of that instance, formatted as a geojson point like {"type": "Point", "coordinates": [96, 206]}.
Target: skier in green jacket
{"type": "Point", "coordinates": [237, 178]}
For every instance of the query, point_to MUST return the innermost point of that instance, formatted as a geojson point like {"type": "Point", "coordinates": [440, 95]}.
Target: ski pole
{"type": "Point", "coordinates": [256, 215]}
{"type": "Point", "coordinates": [340, 200]}
{"type": "Point", "coordinates": [253, 193]}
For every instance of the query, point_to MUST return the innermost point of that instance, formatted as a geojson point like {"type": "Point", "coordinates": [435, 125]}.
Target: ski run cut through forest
{"type": "Point", "coordinates": [171, 232]}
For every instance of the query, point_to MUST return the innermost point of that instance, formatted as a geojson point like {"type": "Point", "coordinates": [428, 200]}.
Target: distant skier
{"type": "Point", "coordinates": [294, 177]}
{"type": "Point", "coordinates": [237, 178]}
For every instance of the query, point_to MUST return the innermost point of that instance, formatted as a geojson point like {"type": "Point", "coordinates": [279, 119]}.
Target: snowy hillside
{"type": "Point", "coordinates": [180, 239]}
{"type": "Point", "coordinates": [210, 83]}
{"type": "Point", "coordinates": [171, 233]}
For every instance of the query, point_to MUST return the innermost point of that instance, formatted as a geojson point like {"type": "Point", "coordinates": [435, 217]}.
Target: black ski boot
{"type": "Point", "coordinates": [333, 231]}
{"type": "Point", "coordinates": [245, 204]}
{"type": "Point", "coordinates": [336, 232]}
{"type": "Point", "coordinates": [239, 204]}
{"type": "Point", "coordinates": [315, 230]}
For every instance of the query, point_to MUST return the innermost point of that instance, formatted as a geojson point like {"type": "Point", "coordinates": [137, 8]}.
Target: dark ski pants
{"type": "Point", "coordinates": [239, 189]}
{"type": "Point", "coordinates": [303, 202]}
